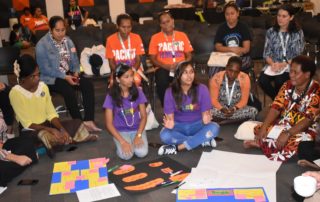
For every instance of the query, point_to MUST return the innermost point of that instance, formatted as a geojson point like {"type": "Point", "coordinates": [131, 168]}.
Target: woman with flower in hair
{"type": "Point", "coordinates": [31, 102]}
{"type": "Point", "coordinates": [125, 114]}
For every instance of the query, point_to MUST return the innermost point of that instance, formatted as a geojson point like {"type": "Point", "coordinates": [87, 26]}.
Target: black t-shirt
{"type": "Point", "coordinates": [232, 37]}
{"type": "Point", "coordinates": [74, 15]}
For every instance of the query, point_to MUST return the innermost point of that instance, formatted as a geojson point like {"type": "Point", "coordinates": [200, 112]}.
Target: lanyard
{"type": "Point", "coordinates": [229, 94]}
{"type": "Point", "coordinates": [284, 45]}
{"type": "Point", "coordinates": [172, 45]}
{"type": "Point", "coordinates": [127, 51]}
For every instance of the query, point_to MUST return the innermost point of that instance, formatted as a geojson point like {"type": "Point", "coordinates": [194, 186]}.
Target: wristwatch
{"type": "Point", "coordinates": [139, 135]}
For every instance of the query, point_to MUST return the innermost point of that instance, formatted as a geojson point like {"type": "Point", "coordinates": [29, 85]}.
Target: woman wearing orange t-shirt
{"type": "Point", "coordinates": [167, 48]}
{"type": "Point", "coordinates": [124, 46]}
{"type": "Point", "coordinates": [39, 21]}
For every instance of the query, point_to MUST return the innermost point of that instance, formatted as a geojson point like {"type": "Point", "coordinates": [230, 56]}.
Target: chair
{"type": "Point", "coordinates": [7, 57]}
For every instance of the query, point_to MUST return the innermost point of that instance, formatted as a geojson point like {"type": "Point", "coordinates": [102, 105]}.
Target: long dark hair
{"type": "Point", "coordinates": [177, 92]}
{"type": "Point", "coordinates": [115, 90]}
{"type": "Point", "coordinates": [293, 25]}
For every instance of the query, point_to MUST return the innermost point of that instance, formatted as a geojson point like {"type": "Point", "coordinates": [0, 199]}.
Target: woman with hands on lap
{"type": "Point", "coordinates": [125, 114]}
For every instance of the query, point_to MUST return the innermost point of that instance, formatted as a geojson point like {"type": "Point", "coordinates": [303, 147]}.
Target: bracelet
{"type": "Point", "coordinates": [139, 135]}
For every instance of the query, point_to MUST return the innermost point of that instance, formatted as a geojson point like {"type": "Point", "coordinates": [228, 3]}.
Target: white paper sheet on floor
{"type": "Point", "coordinates": [219, 169]}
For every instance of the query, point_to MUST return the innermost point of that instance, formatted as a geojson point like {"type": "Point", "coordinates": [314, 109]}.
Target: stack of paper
{"type": "Point", "coordinates": [219, 169]}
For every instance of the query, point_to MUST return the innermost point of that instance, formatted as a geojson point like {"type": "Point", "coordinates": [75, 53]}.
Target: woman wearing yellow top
{"type": "Point", "coordinates": [229, 92]}
{"type": "Point", "coordinates": [31, 102]}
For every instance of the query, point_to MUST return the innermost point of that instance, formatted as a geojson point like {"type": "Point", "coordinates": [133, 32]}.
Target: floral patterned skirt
{"type": "Point", "coordinates": [269, 148]}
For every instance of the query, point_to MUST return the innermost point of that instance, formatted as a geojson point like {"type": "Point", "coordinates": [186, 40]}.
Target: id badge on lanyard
{"type": "Point", "coordinates": [284, 45]}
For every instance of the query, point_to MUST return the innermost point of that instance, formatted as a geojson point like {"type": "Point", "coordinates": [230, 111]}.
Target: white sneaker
{"type": "Point", "coordinates": [167, 150]}
{"type": "Point", "coordinates": [211, 143]}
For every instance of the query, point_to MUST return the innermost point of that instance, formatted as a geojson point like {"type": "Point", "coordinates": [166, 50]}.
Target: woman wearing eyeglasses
{"type": "Point", "coordinates": [31, 102]}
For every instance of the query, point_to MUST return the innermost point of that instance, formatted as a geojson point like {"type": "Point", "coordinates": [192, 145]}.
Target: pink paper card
{"type": "Point", "coordinates": [69, 185]}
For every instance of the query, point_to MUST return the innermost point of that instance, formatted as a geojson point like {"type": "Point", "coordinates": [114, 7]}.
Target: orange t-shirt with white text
{"type": "Point", "coordinates": [164, 47]}
{"type": "Point", "coordinates": [40, 23]}
{"type": "Point", "coordinates": [25, 20]}
{"type": "Point", "coordinates": [115, 51]}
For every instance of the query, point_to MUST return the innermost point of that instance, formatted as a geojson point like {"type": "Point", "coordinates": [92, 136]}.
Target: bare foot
{"type": "Point", "coordinates": [250, 144]}
{"type": "Point", "coordinates": [91, 126]}
{"type": "Point", "coordinates": [305, 163]}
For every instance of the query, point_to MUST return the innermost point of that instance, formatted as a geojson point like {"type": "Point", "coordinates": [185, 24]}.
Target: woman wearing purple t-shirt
{"type": "Point", "coordinates": [187, 121]}
{"type": "Point", "coordinates": [126, 115]}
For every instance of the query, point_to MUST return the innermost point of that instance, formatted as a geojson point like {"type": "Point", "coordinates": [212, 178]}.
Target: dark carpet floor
{"type": "Point", "coordinates": [105, 148]}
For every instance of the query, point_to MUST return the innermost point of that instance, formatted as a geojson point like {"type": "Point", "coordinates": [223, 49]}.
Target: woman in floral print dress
{"type": "Point", "coordinates": [292, 114]}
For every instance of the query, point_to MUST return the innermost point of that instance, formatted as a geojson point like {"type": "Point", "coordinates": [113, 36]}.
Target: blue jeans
{"type": "Point", "coordinates": [129, 137]}
{"type": "Point", "coordinates": [189, 134]}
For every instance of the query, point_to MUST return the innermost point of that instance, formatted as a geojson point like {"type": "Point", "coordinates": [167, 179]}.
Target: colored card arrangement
{"type": "Point", "coordinates": [150, 175]}
{"type": "Point", "coordinates": [256, 194]}
{"type": "Point", "coordinates": [72, 176]}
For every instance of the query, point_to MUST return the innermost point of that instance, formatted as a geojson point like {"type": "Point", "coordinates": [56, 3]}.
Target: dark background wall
{"type": "Point", "coordinates": [5, 6]}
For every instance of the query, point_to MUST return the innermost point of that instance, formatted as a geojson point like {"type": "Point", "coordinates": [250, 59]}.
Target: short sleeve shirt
{"type": "Point", "coordinates": [232, 37]}
{"type": "Point", "coordinates": [170, 48]}
{"type": "Point", "coordinates": [189, 112]}
{"type": "Point", "coordinates": [126, 117]}
{"type": "Point", "coordinates": [127, 55]}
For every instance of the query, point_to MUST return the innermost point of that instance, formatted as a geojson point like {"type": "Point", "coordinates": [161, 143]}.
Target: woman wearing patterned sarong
{"type": "Point", "coordinates": [292, 114]}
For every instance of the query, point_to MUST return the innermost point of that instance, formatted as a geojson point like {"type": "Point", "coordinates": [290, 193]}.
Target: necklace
{"type": "Point", "coordinates": [132, 114]}
{"type": "Point", "coordinates": [297, 99]}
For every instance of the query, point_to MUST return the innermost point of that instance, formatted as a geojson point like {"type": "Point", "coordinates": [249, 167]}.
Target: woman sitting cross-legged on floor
{"type": "Point", "coordinates": [125, 114]}
{"type": "Point", "coordinates": [15, 156]}
{"type": "Point", "coordinates": [230, 91]}
{"type": "Point", "coordinates": [292, 114]}
{"type": "Point", "coordinates": [187, 121]}
{"type": "Point", "coordinates": [31, 102]}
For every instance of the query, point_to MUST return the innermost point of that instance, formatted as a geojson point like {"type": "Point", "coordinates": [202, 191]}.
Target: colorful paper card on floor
{"type": "Point", "coordinates": [256, 194]}
{"type": "Point", "coordinates": [150, 175]}
{"type": "Point", "coordinates": [72, 176]}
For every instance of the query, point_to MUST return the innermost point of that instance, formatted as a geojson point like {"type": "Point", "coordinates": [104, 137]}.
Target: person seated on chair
{"type": "Point", "coordinates": [125, 47]}
{"type": "Point", "coordinates": [229, 91]}
{"type": "Point", "coordinates": [15, 156]}
{"type": "Point", "coordinates": [75, 15]}
{"type": "Point", "coordinates": [284, 41]}
{"type": "Point", "coordinates": [17, 39]}
{"type": "Point", "coordinates": [125, 114]}
{"type": "Point", "coordinates": [38, 22]}
{"type": "Point", "coordinates": [234, 36]}
{"type": "Point", "coordinates": [187, 120]}
{"type": "Point", "coordinates": [292, 113]}
{"type": "Point", "coordinates": [59, 66]}
{"type": "Point", "coordinates": [31, 102]}
{"type": "Point", "coordinates": [25, 20]}
{"type": "Point", "coordinates": [167, 48]}
{"type": "Point", "coordinates": [7, 111]}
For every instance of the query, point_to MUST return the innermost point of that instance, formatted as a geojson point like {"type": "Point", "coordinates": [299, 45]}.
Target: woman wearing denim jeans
{"type": "Point", "coordinates": [125, 114]}
{"type": "Point", "coordinates": [187, 121]}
